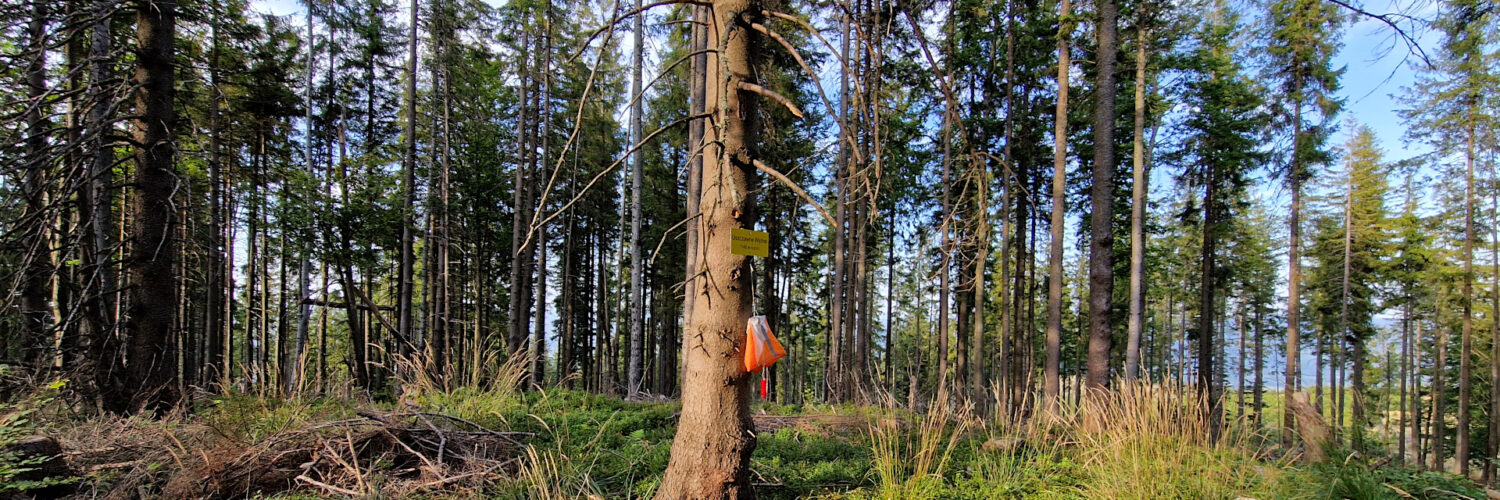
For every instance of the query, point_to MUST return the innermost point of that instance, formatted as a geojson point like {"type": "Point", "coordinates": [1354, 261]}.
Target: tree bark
{"type": "Point", "coordinates": [1294, 275]}
{"type": "Point", "coordinates": [944, 271]}
{"type": "Point", "coordinates": [715, 436]}
{"type": "Point", "coordinates": [1439, 387]}
{"type": "Point", "coordinates": [519, 273]}
{"type": "Point", "coordinates": [151, 366]}
{"type": "Point", "coordinates": [408, 185]}
{"type": "Point", "coordinates": [1208, 393]}
{"type": "Point", "coordinates": [1101, 240]}
{"type": "Point", "coordinates": [293, 373]}
{"type": "Point", "coordinates": [97, 209]}
{"type": "Point", "coordinates": [636, 369]}
{"type": "Point", "coordinates": [1137, 215]}
{"type": "Point", "coordinates": [1466, 345]}
{"type": "Point", "coordinates": [1052, 384]}
{"type": "Point", "coordinates": [1492, 448]}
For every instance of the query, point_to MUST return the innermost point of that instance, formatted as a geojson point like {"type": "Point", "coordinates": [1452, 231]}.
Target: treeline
{"type": "Point", "coordinates": [1006, 203]}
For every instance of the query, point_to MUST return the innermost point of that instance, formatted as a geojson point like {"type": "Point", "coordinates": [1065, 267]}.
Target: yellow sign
{"type": "Point", "coordinates": [750, 242]}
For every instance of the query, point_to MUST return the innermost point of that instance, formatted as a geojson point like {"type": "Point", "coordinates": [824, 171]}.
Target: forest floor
{"type": "Point", "coordinates": [569, 444]}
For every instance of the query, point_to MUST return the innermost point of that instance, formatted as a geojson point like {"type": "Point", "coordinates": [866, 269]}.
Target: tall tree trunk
{"type": "Point", "coordinates": [636, 369]}
{"type": "Point", "coordinates": [1050, 391]}
{"type": "Point", "coordinates": [1240, 372]}
{"type": "Point", "coordinates": [35, 299]}
{"type": "Point", "coordinates": [982, 244]}
{"type": "Point", "coordinates": [1208, 287]}
{"type": "Point", "coordinates": [519, 299]}
{"type": "Point", "coordinates": [1404, 437]}
{"type": "Point", "coordinates": [1294, 275]}
{"type": "Point", "coordinates": [944, 272]}
{"type": "Point", "coordinates": [697, 68]}
{"type": "Point", "coordinates": [294, 369]}
{"type": "Point", "coordinates": [1347, 332]}
{"type": "Point", "coordinates": [1466, 345]}
{"type": "Point", "coordinates": [1101, 239]}
{"type": "Point", "coordinates": [1138, 214]}
{"type": "Point", "coordinates": [1438, 391]}
{"type": "Point", "coordinates": [715, 436]}
{"type": "Point", "coordinates": [1492, 447]}
{"type": "Point", "coordinates": [408, 186]}
{"type": "Point", "coordinates": [151, 369]}
{"type": "Point", "coordinates": [97, 209]}
{"type": "Point", "coordinates": [539, 335]}
{"type": "Point", "coordinates": [1258, 403]}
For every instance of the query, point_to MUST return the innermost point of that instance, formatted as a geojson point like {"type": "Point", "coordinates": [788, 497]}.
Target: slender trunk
{"type": "Point", "coordinates": [544, 130]}
{"type": "Point", "coordinates": [982, 244]}
{"type": "Point", "coordinates": [636, 369]}
{"type": "Point", "coordinates": [1208, 392]}
{"type": "Point", "coordinates": [100, 306]}
{"type": "Point", "coordinates": [1465, 390]}
{"type": "Point", "coordinates": [1258, 403]}
{"type": "Point", "coordinates": [1492, 447]}
{"type": "Point", "coordinates": [1240, 373]}
{"type": "Point", "coordinates": [1059, 192]}
{"type": "Point", "coordinates": [836, 372]}
{"type": "Point", "coordinates": [890, 290]}
{"type": "Point", "coordinates": [1401, 441]}
{"type": "Point", "coordinates": [1294, 276]}
{"type": "Point", "coordinates": [294, 371]}
{"type": "Point", "coordinates": [539, 335]}
{"type": "Point", "coordinates": [518, 311]}
{"type": "Point", "coordinates": [1347, 331]}
{"type": "Point", "coordinates": [947, 255]}
{"type": "Point", "coordinates": [715, 436]}
{"type": "Point", "coordinates": [408, 185]}
{"type": "Point", "coordinates": [1138, 215]}
{"type": "Point", "coordinates": [1438, 392]}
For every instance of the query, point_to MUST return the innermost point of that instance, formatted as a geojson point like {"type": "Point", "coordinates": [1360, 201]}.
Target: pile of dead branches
{"type": "Point", "coordinates": [403, 451]}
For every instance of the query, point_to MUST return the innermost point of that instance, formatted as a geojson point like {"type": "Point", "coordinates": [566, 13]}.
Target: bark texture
{"type": "Point", "coordinates": [715, 436]}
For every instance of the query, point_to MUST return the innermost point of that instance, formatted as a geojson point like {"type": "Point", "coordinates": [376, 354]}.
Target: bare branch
{"type": "Point", "coordinates": [769, 94]}
{"type": "Point", "coordinates": [796, 189]}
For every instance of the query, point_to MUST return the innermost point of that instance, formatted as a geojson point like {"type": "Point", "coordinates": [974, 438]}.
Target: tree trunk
{"type": "Point", "coordinates": [982, 244]}
{"type": "Point", "coordinates": [151, 369]}
{"type": "Point", "coordinates": [1208, 394]}
{"type": "Point", "coordinates": [1492, 448]}
{"type": "Point", "coordinates": [636, 369]}
{"type": "Point", "coordinates": [35, 296]}
{"type": "Point", "coordinates": [1258, 403]}
{"type": "Point", "coordinates": [715, 436]}
{"type": "Point", "coordinates": [519, 299]}
{"type": "Point", "coordinates": [1138, 215]}
{"type": "Point", "coordinates": [1465, 390]}
{"type": "Point", "coordinates": [1050, 391]}
{"type": "Point", "coordinates": [1101, 240]}
{"type": "Point", "coordinates": [408, 186]}
{"type": "Point", "coordinates": [1294, 276]}
{"type": "Point", "coordinates": [293, 372]}
{"type": "Point", "coordinates": [1347, 331]}
{"type": "Point", "coordinates": [97, 209]}
{"type": "Point", "coordinates": [1439, 388]}
{"type": "Point", "coordinates": [944, 272]}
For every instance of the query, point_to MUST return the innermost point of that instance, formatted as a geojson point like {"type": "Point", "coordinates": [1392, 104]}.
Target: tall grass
{"type": "Point", "coordinates": [1152, 441]}
{"type": "Point", "coordinates": [910, 456]}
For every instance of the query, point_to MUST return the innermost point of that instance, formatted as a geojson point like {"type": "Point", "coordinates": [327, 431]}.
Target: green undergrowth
{"type": "Point", "coordinates": [584, 445]}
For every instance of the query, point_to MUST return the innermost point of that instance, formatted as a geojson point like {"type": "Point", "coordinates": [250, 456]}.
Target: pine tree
{"type": "Point", "coordinates": [1452, 111]}
{"type": "Point", "coordinates": [1303, 39]}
